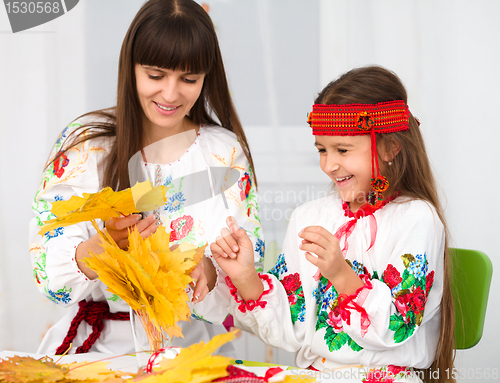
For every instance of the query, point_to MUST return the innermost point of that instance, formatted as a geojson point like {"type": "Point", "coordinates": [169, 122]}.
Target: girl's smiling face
{"type": "Point", "coordinates": [347, 161]}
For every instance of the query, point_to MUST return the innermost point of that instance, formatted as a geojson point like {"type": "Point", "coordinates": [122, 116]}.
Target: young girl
{"type": "Point", "coordinates": [362, 285]}
{"type": "Point", "coordinates": [171, 82]}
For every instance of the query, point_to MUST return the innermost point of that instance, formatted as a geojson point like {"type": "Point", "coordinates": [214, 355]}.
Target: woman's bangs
{"type": "Point", "coordinates": [175, 45]}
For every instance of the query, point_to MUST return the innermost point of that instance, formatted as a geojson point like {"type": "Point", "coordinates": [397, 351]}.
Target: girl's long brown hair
{"type": "Point", "coordinates": [410, 174]}
{"type": "Point", "coordinates": [171, 34]}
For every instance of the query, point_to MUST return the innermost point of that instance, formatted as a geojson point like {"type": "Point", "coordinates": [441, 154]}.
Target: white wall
{"type": "Point", "coordinates": [278, 55]}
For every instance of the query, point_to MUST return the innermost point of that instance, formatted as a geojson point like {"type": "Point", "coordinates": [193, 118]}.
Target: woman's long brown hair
{"type": "Point", "coordinates": [171, 34]}
{"type": "Point", "coordinates": [410, 174]}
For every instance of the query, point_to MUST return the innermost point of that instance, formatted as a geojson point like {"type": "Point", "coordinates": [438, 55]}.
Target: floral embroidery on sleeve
{"type": "Point", "coordinates": [410, 292]}
{"type": "Point", "coordinates": [280, 267]}
{"type": "Point", "coordinates": [293, 288]}
{"type": "Point", "coordinates": [61, 295]}
{"type": "Point", "coordinates": [67, 166]}
{"type": "Point", "coordinates": [330, 314]}
{"type": "Point", "coordinates": [196, 316]}
{"type": "Point", "coordinates": [260, 248]}
{"type": "Point", "coordinates": [245, 183]}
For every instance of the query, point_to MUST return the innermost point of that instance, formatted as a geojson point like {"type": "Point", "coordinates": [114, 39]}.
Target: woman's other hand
{"type": "Point", "coordinates": [119, 229]}
{"type": "Point", "coordinates": [204, 276]}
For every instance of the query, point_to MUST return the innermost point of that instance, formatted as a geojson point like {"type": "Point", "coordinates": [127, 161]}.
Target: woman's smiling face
{"type": "Point", "coordinates": [166, 96]}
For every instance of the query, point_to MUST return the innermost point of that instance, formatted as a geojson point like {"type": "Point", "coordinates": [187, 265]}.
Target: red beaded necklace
{"type": "Point", "coordinates": [366, 209]}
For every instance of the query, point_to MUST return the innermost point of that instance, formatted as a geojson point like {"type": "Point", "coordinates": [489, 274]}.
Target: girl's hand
{"type": "Point", "coordinates": [233, 251]}
{"type": "Point", "coordinates": [204, 276]}
{"type": "Point", "coordinates": [118, 228]}
{"type": "Point", "coordinates": [329, 260]}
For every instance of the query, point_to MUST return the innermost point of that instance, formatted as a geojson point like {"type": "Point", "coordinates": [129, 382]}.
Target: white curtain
{"type": "Point", "coordinates": [279, 54]}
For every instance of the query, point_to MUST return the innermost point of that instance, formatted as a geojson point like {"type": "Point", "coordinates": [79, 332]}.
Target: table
{"type": "Point", "coordinates": [128, 363]}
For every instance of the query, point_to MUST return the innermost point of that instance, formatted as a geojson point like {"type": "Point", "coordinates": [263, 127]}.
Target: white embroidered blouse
{"type": "Point", "coordinates": [79, 171]}
{"type": "Point", "coordinates": [393, 321]}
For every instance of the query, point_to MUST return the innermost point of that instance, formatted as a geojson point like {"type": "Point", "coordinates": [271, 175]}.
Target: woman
{"type": "Point", "coordinates": [171, 80]}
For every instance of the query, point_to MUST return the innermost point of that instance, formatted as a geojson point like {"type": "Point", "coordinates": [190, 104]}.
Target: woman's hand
{"type": "Point", "coordinates": [329, 259]}
{"type": "Point", "coordinates": [118, 228]}
{"type": "Point", "coordinates": [233, 251]}
{"type": "Point", "coordinates": [204, 276]}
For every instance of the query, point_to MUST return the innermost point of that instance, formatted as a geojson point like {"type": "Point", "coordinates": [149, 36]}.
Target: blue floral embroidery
{"type": "Point", "coordinates": [396, 290]}
{"type": "Point", "coordinates": [61, 295]}
{"type": "Point", "coordinates": [198, 317]}
{"type": "Point", "coordinates": [320, 290]}
{"type": "Point", "coordinates": [302, 314]}
{"type": "Point", "coordinates": [328, 297]}
{"type": "Point", "coordinates": [174, 202]}
{"type": "Point", "coordinates": [168, 180]}
{"type": "Point", "coordinates": [357, 267]}
{"type": "Point", "coordinates": [54, 233]}
{"type": "Point", "coordinates": [62, 136]}
{"type": "Point", "coordinates": [58, 197]}
{"type": "Point", "coordinates": [418, 267]}
{"type": "Point", "coordinates": [280, 267]}
{"type": "Point", "coordinates": [260, 247]}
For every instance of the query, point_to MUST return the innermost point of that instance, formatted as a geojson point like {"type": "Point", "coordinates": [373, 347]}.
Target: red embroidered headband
{"type": "Point", "coordinates": [359, 119]}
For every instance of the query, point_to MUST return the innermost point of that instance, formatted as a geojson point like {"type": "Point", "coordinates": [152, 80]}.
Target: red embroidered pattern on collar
{"type": "Point", "coordinates": [366, 209]}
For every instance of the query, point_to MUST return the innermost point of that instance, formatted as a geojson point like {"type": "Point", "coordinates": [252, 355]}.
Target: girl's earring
{"type": "Point", "coordinates": [389, 163]}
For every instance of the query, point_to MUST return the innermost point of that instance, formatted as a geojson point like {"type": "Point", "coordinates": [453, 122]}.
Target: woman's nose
{"type": "Point", "coordinates": [170, 91]}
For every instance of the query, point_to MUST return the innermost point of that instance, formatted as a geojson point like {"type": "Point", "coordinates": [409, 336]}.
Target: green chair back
{"type": "Point", "coordinates": [471, 278]}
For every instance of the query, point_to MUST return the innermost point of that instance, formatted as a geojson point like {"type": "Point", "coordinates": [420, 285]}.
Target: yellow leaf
{"type": "Point", "coordinates": [149, 277]}
{"type": "Point", "coordinates": [148, 197]}
{"type": "Point", "coordinates": [194, 364]}
{"type": "Point", "coordinates": [104, 205]}
{"type": "Point", "coordinates": [27, 369]}
{"type": "Point", "coordinates": [94, 371]}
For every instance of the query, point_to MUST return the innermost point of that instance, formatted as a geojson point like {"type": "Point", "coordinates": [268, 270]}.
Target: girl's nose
{"type": "Point", "coordinates": [333, 165]}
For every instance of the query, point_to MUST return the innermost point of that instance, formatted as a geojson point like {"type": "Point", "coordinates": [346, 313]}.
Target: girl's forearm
{"type": "Point", "coordinates": [249, 287]}
{"type": "Point", "coordinates": [347, 282]}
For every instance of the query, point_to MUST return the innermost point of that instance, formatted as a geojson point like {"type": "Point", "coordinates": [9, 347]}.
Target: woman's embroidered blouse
{"type": "Point", "coordinates": [80, 170]}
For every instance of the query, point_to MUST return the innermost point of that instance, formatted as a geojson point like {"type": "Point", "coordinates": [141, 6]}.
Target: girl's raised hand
{"type": "Point", "coordinates": [329, 258]}
{"type": "Point", "coordinates": [233, 251]}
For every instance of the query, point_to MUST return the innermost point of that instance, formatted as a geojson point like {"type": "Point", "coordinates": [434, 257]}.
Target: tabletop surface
{"type": "Point", "coordinates": [128, 363]}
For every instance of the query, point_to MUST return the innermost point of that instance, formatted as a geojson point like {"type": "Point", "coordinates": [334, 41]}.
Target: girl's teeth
{"type": "Point", "coordinates": [343, 179]}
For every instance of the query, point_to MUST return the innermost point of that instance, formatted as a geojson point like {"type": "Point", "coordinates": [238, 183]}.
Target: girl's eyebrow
{"type": "Point", "coordinates": [336, 145]}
